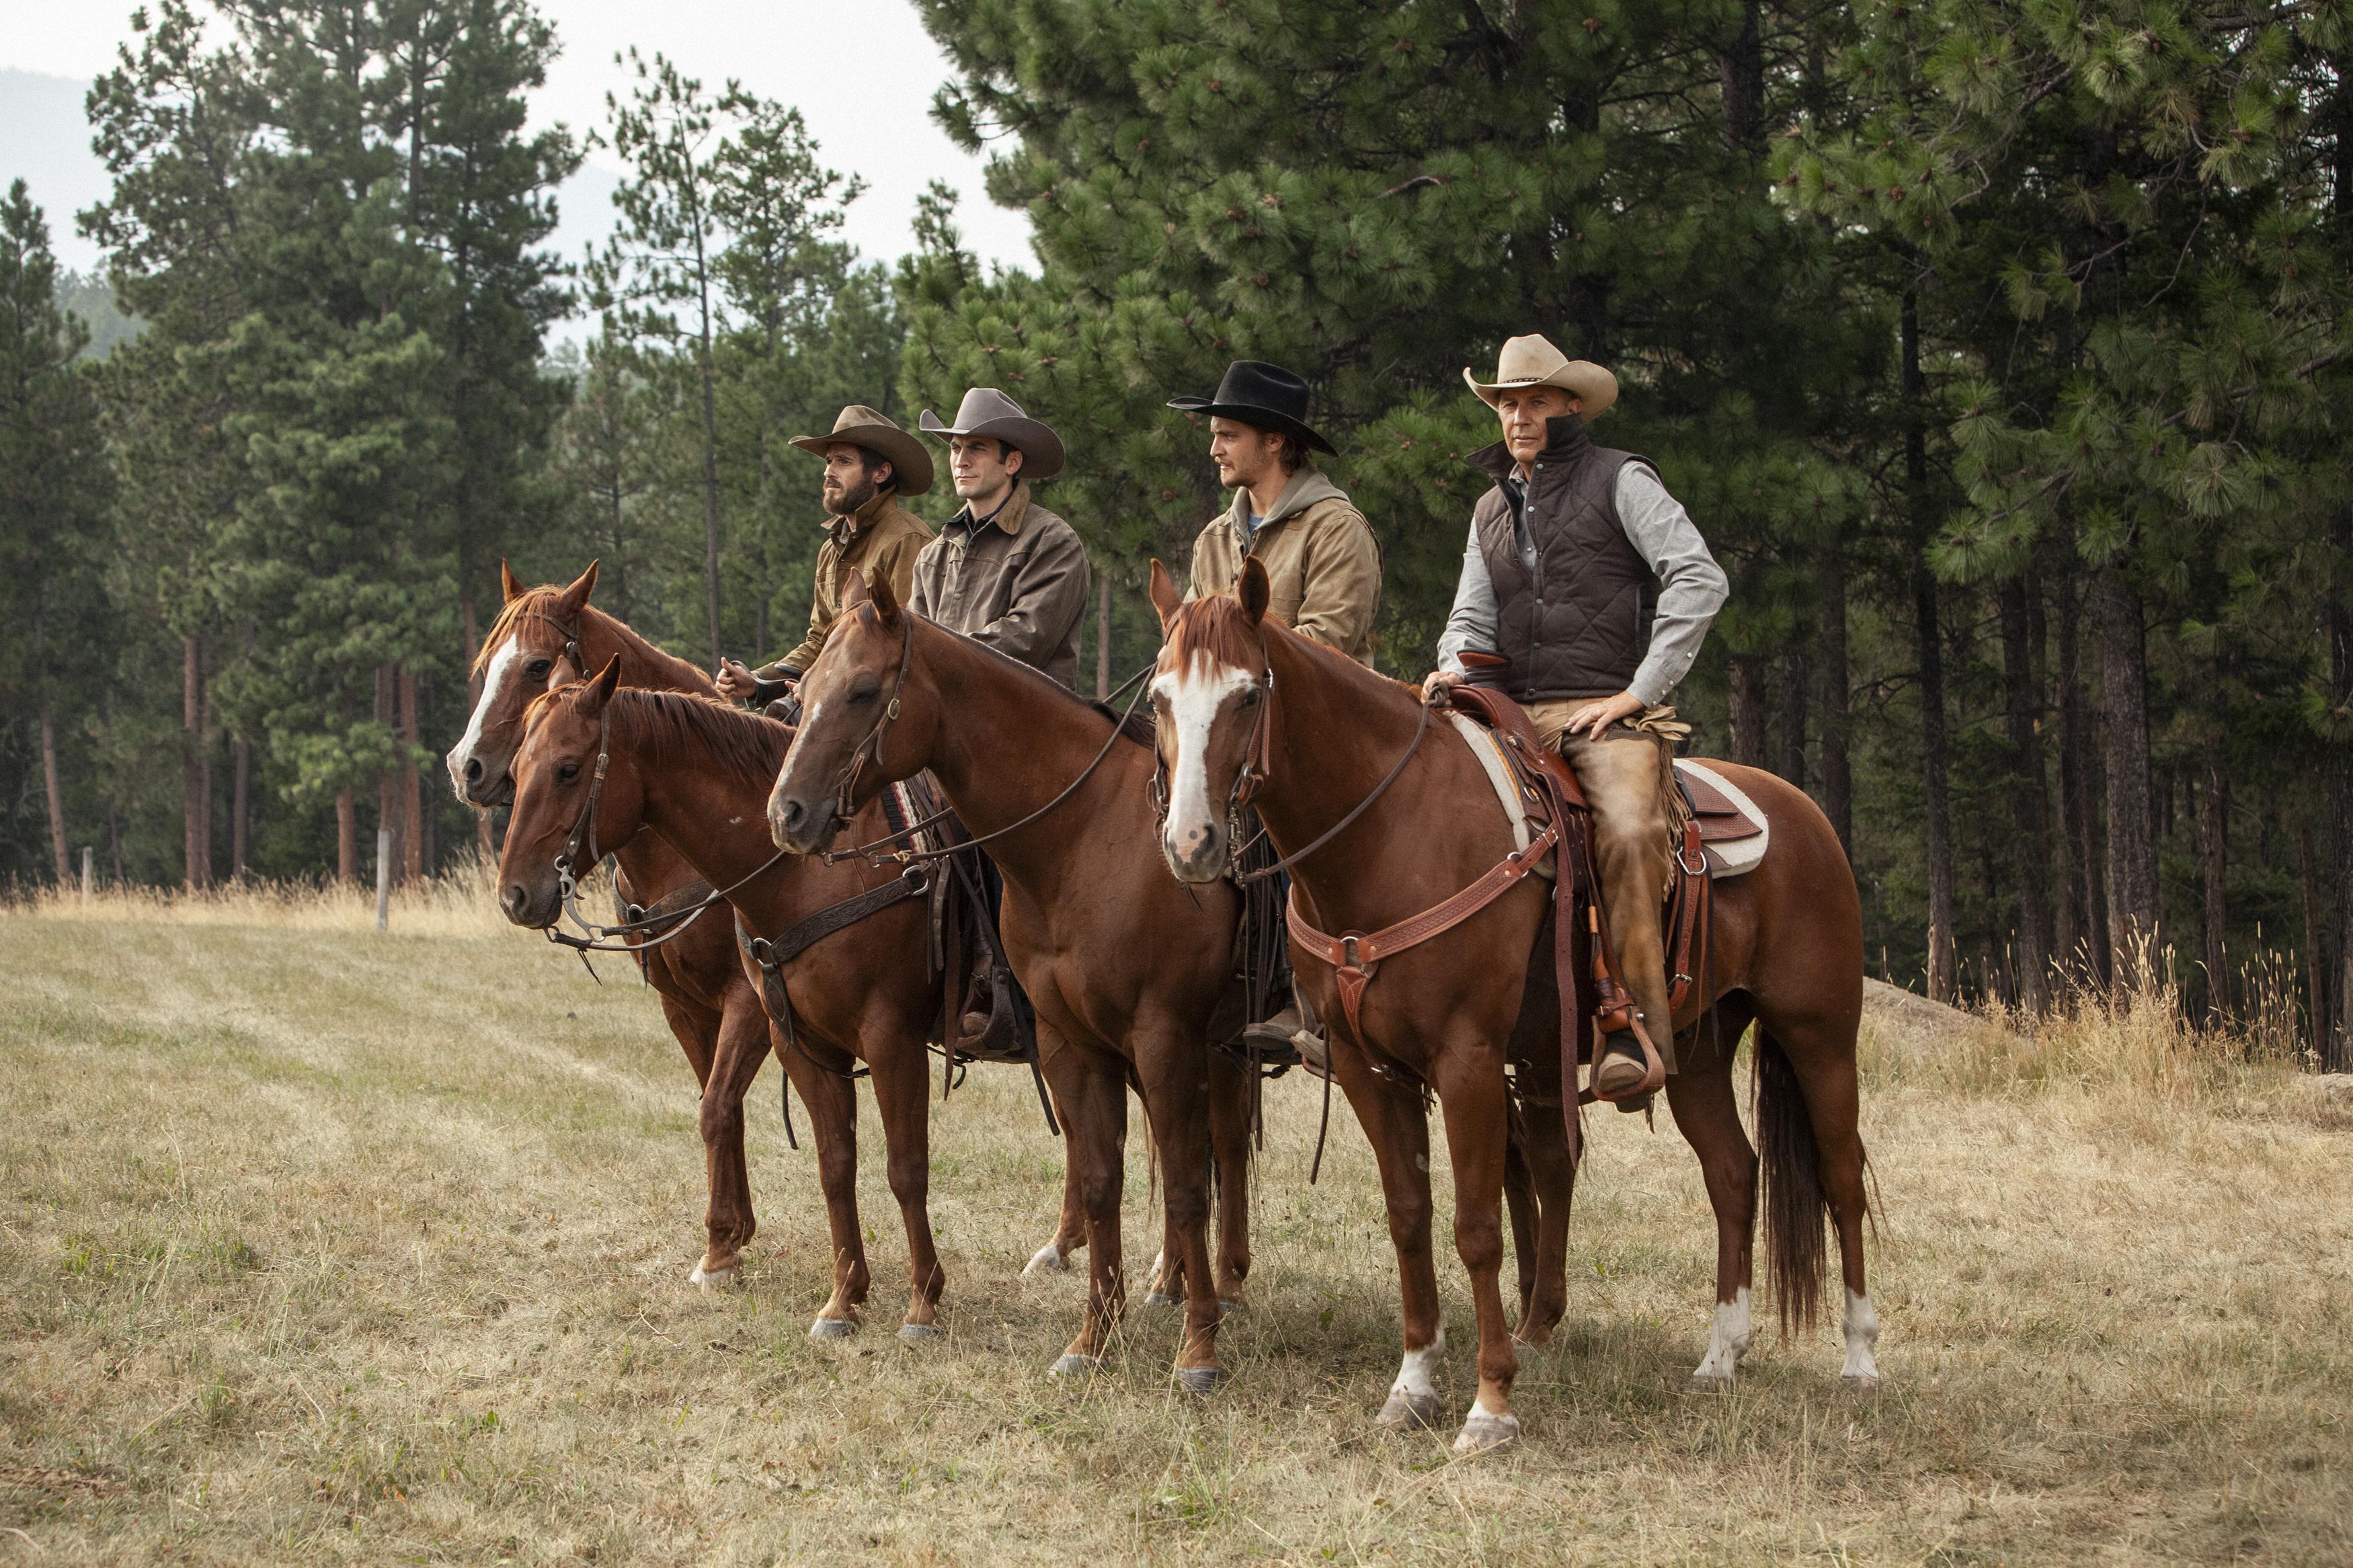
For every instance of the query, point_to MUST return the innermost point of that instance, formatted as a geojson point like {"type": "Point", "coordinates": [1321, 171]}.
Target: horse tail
{"type": "Point", "coordinates": [1796, 1208]}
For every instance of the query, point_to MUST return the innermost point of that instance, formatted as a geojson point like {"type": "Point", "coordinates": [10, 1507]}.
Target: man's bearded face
{"type": "Point", "coordinates": [847, 485]}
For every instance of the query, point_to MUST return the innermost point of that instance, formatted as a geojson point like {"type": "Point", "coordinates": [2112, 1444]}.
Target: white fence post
{"type": "Point", "coordinates": [85, 876]}
{"type": "Point", "coordinates": [382, 877]}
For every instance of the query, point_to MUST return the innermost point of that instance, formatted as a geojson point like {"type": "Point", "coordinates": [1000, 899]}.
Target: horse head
{"type": "Point", "coordinates": [574, 799]}
{"type": "Point", "coordinates": [529, 651]}
{"type": "Point", "coordinates": [864, 721]}
{"type": "Point", "coordinates": [1210, 692]}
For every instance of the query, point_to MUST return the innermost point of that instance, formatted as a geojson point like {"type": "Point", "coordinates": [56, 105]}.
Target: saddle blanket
{"type": "Point", "coordinates": [1727, 855]}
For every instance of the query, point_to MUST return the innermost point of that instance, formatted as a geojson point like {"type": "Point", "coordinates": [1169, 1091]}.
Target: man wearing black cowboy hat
{"type": "Point", "coordinates": [870, 463]}
{"type": "Point", "coordinates": [1321, 562]}
{"type": "Point", "coordinates": [1004, 570]}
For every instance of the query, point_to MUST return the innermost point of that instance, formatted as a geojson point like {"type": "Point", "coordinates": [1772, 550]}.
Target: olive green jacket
{"type": "Point", "coordinates": [879, 538]}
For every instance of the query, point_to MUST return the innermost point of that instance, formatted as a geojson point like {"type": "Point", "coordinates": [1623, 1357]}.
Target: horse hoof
{"type": "Point", "coordinates": [1711, 1383]}
{"type": "Point", "coordinates": [1528, 1353]}
{"type": "Point", "coordinates": [1047, 1259]}
{"type": "Point", "coordinates": [1485, 1434]}
{"type": "Point", "coordinates": [1408, 1412]}
{"type": "Point", "coordinates": [921, 1334]}
{"type": "Point", "coordinates": [1200, 1379]}
{"type": "Point", "coordinates": [1159, 1298]}
{"type": "Point", "coordinates": [1862, 1385]}
{"type": "Point", "coordinates": [1235, 1305]}
{"type": "Point", "coordinates": [1072, 1365]}
{"type": "Point", "coordinates": [711, 1279]}
{"type": "Point", "coordinates": [832, 1329]}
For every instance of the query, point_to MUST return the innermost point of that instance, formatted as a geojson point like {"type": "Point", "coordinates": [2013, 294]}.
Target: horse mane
{"type": "Point", "coordinates": [540, 603]}
{"type": "Point", "coordinates": [669, 728]}
{"type": "Point", "coordinates": [1138, 729]}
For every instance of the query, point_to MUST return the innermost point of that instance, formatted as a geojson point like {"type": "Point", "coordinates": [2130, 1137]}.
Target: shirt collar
{"type": "Point", "coordinates": [1007, 515]}
{"type": "Point", "coordinates": [845, 531]}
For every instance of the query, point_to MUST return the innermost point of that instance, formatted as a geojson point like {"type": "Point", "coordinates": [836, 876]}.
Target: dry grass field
{"type": "Point", "coordinates": [323, 1245]}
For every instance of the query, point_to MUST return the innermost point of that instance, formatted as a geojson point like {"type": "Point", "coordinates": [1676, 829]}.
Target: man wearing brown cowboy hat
{"type": "Point", "coordinates": [870, 463]}
{"type": "Point", "coordinates": [1590, 582]}
{"type": "Point", "coordinates": [1321, 562]}
{"type": "Point", "coordinates": [1004, 570]}
{"type": "Point", "coordinates": [1323, 567]}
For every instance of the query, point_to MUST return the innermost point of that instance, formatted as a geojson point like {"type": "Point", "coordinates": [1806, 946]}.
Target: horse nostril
{"type": "Point", "coordinates": [794, 814]}
{"type": "Point", "coordinates": [474, 770]}
{"type": "Point", "coordinates": [517, 898]}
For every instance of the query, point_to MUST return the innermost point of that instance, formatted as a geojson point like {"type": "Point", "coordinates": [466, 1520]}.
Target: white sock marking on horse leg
{"type": "Point", "coordinates": [1861, 1336]}
{"type": "Point", "coordinates": [1047, 1259]}
{"type": "Point", "coordinates": [494, 676]}
{"type": "Point", "coordinates": [1194, 696]}
{"type": "Point", "coordinates": [1727, 1342]}
{"type": "Point", "coordinates": [1413, 1378]}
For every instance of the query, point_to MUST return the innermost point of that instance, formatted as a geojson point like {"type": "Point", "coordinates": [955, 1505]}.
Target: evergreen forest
{"type": "Point", "coordinates": [1996, 346]}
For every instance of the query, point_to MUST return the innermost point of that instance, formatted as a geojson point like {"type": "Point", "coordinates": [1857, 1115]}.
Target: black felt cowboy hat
{"type": "Point", "coordinates": [1265, 396]}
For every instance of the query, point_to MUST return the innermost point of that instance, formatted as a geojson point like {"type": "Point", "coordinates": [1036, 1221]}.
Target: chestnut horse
{"type": "Point", "coordinates": [1125, 968]}
{"type": "Point", "coordinates": [1786, 953]}
{"type": "Point", "coordinates": [696, 772]}
{"type": "Point", "coordinates": [712, 1008]}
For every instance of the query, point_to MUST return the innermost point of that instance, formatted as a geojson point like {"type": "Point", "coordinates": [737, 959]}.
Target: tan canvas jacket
{"type": "Point", "coordinates": [1322, 563]}
{"type": "Point", "coordinates": [1018, 583]}
{"type": "Point", "coordinates": [880, 537]}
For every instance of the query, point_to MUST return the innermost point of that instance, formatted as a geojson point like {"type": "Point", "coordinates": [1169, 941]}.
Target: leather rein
{"type": "Point", "coordinates": [879, 852]}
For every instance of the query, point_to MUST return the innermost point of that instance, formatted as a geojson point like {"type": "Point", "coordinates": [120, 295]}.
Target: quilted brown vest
{"type": "Point", "coordinates": [1579, 624]}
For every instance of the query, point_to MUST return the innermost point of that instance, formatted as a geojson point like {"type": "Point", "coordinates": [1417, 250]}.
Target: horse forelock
{"type": "Point", "coordinates": [532, 605]}
{"type": "Point", "coordinates": [1214, 629]}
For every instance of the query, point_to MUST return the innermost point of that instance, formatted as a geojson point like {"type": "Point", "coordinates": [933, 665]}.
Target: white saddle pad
{"type": "Point", "coordinates": [1726, 859]}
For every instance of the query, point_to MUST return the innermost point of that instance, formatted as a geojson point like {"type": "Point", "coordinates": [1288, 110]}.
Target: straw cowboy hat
{"type": "Point", "coordinates": [910, 462]}
{"type": "Point", "coordinates": [986, 410]}
{"type": "Point", "coordinates": [1264, 396]}
{"type": "Point", "coordinates": [1532, 361]}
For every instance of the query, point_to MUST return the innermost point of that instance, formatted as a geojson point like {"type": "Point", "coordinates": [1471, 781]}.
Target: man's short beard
{"type": "Point", "coordinates": [852, 497]}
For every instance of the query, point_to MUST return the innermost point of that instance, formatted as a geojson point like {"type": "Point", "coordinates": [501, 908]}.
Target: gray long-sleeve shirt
{"type": "Point", "coordinates": [1692, 587]}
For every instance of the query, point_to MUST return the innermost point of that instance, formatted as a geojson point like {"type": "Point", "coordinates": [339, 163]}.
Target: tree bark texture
{"type": "Point", "coordinates": [2316, 965]}
{"type": "Point", "coordinates": [1740, 70]}
{"type": "Point", "coordinates": [1837, 774]}
{"type": "Point", "coordinates": [2214, 864]}
{"type": "Point", "coordinates": [2030, 816]}
{"type": "Point", "coordinates": [2132, 931]}
{"type": "Point", "coordinates": [1935, 774]}
{"type": "Point", "coordinates": [347, 836]}
{"type": "Point", "coordinates": [1747, 711]}
{"type": "Point", "coordinates": [240, 806]}
{"type": "Point", "coordinates": [1789, 734]}
{"type": "Point", "coordinates": [2086, 948]}
{"type": "Point", "coordinates": [412, 804]}
{"type": "Point", "coordinates": [389, 812]}
{"type": "Point", "coordinates": [56, 794]}
{"type": "Point", "coordinates": [191, 762]}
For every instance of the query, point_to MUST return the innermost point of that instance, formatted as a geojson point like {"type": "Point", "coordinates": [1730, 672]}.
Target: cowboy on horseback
{"type": "Point", "coordinates": [1323, 566]}
{"type": "Point", "coordinates": [1589, 591]}
{"type": "Point", "coordinates": [870, 463]}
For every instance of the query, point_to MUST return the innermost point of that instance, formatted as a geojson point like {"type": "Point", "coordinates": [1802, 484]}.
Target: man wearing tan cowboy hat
{"type": "Point", "coordinates": [1321, 562]}
{"type": "Point", "coordinates": [870, 463]}
{"type": "Point", "coordinates": [1004, 570]}
{"type": "Point", "coordinates": [1589, 581]}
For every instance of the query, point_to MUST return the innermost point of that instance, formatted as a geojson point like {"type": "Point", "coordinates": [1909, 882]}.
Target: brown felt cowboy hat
{"type": "Point", "coordinates": [986, 410]}
{"type": "Point", "coordinates": [1532, 361]}
{"type": "Point", "coordinates": [910, 462]}
{"type": "Point", "coordinates": [1264, 396]}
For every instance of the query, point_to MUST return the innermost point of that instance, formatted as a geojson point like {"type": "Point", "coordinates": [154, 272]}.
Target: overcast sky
{"type": "Point", "coordinates": [861, 74]}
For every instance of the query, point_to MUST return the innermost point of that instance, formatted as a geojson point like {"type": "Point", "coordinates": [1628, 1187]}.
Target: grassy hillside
{"type": "Point", "coordinates": [327, 1246]}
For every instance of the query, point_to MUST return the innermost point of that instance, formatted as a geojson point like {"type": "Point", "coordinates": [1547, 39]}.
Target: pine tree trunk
{"type": "Point", "coordinates": [1102, 637]}
{"type": "Point", "coordinates": [2030, 816]}
{"type": "Point", "coordinates": [115, 842]}
{"type": "Point", "coordinates": [191, 763]}
{"type": "Point", "coordinates": [1740, 71]}
{"type": "Point", "coordinates": [2133, 931]}
{"type": "Point", "coordinates": [2316, 956]}
{"type": "Point", "coordinates": [482, 846]}
{"type": "Point", "coordinates": [2087, 949]}
{"type": "Point", "coordinates": [387, 782]}
{"type": "Point", "coordinates": [56, 796]}
{"type": "Point", "coordinates": [2213, 863]}
{"type": "Point", "coordinates": [240, 805]}
{"type": "Point", "coordinates": [412, 804]}
{"type": "Point", "coordinates": [1928, 637]}
{"type": "Point", "coordinates": [1789, 736]}
{"type": "Point", "coordinates": [347, 837]}
{"type": "Point", "coordinates": [1746, 717]}
{"type": "Point", "coordinates": [1838, 776]}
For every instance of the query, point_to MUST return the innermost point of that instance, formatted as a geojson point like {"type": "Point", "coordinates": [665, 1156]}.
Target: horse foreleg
{"type": "Point", "coordinates": [832, 1100]}
{"type": "Point", "coordinates": [1471, 1095]}
{"type": "Point", "coordinates": [893, 1049]}
{"type": "Point", "coordinates": [1229, 1139]}
{"type": "Point", "coordinates": [1091, 1089]}
{"type": "Point", "coordinates": [1172, 1076]}
{"type": "Point", "coordinates": [697, 1028]}
{"type": "Point", "coordinates": [1071, 1230]}
{"type": "Point", "coordinates": [1707, 1114]}
{"type": "Point", "coordinates": [1391, 1115]}
{"type": "Point", "coordinates": [1552, 1175]}
{"type": "Point", "coordinates": [742, 1045]}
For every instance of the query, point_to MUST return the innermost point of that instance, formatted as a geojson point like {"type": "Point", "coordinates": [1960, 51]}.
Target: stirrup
{"type": "Point", "coordinates": [1654, 1066]}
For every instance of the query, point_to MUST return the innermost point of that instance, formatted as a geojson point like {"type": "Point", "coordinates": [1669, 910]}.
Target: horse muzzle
{"type": "Point", "coordinates": [533, 908]}
{"type": "Point", "coordinates": [1197, 853]}
{"type": "Point", "coordinates": [479, 784]}
{"type": "Point", "coordinates": [799, 826]}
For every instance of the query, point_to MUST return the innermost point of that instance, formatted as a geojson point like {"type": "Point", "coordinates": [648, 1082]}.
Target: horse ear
{"type": "Point", "coordinates": [582, 586]}
{"type": "Point", "coordinates": [853, 591]}
{"type": "Point", "coordinates": [885, 597]}
{"type": "Point", "coordinates": [1252, 590]}
{"type": "Point", "coordinates": [600, 690]}
{"type": "Point", "coordinates": [1164, 596]}
{"type": "Point", "coordinates": [509, 584]}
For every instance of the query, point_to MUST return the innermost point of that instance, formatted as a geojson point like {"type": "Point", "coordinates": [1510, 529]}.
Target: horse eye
{"type": "Point", "coordinates": [536, 666]}
{"type": "Point", "coordinates": [1250, 695]}
{"type": "Point", "coordinates": [865, 691]}
{"type": "Point", "coordinates": [569, 771]}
